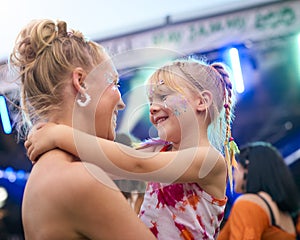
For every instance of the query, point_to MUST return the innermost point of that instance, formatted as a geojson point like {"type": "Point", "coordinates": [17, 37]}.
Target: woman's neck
{"type": "Point", "coordinates": [67, 118]}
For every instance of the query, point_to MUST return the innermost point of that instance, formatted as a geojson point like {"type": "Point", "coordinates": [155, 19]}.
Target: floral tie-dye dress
{"type": "Point", "coordinates": [181, 211]}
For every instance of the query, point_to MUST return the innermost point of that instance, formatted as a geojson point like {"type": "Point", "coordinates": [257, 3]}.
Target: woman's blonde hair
{"type": "Point", "coordinates": [44, 55]}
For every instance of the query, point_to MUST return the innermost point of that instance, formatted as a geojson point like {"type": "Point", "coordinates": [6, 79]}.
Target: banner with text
{"type": "Point", "coordinates": [201, 35]}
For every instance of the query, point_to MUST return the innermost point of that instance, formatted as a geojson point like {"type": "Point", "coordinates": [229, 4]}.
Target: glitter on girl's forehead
{"type": "Point", "coordinates": [150, 91]}
{"type": "Point", "coordinates": [161, 82]}
{"type": "Point", "coordinates": [158, 86]}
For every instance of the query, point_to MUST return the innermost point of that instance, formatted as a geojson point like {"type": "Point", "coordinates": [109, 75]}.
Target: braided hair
{"type": "Point", "coordinates": [230, 147]}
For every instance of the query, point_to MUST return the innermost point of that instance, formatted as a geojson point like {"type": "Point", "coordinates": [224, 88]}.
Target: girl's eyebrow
{"type": "Point", "coordinates": [159, 90]}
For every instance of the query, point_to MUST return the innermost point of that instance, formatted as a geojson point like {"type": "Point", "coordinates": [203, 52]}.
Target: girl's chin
{"type": "Point", "coordinates": [167, 136]}
{"type": "Point", "coordinates": [162, 135]}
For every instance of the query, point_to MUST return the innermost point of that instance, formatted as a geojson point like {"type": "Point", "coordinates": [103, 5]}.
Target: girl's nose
{"type": "Point", "coordinates": [154, 108]}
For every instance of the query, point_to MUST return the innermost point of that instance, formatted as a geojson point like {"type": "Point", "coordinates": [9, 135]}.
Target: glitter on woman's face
{"type": "Point", "coordinates": [112, 78]}
{"type": "Point", "coordinates": [109, 77]}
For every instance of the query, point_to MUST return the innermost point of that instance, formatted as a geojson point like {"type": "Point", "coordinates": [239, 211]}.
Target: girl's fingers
{"type": "Point", "coordinates": [27, 144]}
{"type": "Point", "coordinates": [30, 153]}
{"type": "Point", "coordinates": [39, 125]}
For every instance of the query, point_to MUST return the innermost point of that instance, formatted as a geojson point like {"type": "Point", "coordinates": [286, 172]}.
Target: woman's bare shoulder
{"type": "Point", "coordinates": [251, 197]}
{"type": "Point", "coordinates": [57, 174]}
{"type": "Point", "coordinates": [254, 197]}
{"type": "Point", "coordinates": [256, 200]}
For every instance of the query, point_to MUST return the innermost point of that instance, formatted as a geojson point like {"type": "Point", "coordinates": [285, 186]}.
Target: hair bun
{"type": "Point", "coordinates": [62, 29]}
{"type": "Point", "coordinates": [27, 52]}
{"type": "Point", "coordinates": [33, 40]}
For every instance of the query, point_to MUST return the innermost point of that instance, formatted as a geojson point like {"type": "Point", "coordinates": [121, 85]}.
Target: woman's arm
{"type": "Point", "coordinates": [188, 165]}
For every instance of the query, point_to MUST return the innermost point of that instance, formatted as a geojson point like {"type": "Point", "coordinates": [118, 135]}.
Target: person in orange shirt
{"type": "Point", "coordinates": [270, 199]}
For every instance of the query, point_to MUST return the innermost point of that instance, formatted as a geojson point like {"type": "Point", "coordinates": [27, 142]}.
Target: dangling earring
{"type": "Point", "coordinates": [84, 103]}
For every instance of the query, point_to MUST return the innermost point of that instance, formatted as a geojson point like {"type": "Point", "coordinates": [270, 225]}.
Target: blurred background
{"type": "Point", "coordinates": [258, 39]}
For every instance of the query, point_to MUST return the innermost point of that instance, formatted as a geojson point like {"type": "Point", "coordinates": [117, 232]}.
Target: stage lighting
{"type": "Point", "coordinates": [298, 57]}
{"type": "Point", "coordinates": [3, 196]}
{"type": "Point", "coordinates": [4, 116]}
{"type": "Point", "coordinates": [236, 70]}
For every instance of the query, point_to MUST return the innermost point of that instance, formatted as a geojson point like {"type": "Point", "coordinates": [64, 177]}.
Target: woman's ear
{"type": "Point", "coordinates": [78, 77]}
{"type": "Point", "coordinates": [204, 100]}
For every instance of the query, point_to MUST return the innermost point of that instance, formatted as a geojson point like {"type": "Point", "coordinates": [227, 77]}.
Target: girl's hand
{"type": "Point", "coordinates": [40, 140]}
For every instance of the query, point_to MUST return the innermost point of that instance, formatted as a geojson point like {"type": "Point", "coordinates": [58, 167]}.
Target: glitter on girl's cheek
{"type": "Point", "coordinates": [114, 88]}
{"type": "Point", "coordinates": [177, 103]}
{"type": "Point", "coordinates": [165, 104]}
{"type": "Point", "coordinates": [176, 112]}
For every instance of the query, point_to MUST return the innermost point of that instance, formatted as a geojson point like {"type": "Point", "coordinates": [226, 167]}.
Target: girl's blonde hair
{"type": "Point", "coordinates": [215, 78]}
{"type": "Point", "coordinates": [44, 55]}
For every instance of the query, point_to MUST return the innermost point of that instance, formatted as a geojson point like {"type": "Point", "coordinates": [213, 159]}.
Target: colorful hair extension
{"type": "Point", "coordinates": [230, 147]}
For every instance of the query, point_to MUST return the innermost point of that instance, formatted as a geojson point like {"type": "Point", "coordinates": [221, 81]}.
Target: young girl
{"type": "Point", "coordinates": [191, 105]}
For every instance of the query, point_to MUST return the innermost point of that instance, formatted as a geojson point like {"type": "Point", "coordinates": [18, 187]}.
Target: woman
{"type": "Point", "coordinates": [62, 198]}
{"type": "Point", "coordinates": [270, 199]}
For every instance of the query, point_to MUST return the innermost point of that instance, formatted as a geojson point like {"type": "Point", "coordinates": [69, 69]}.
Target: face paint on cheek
{"type": "Point", "coordinates": [176, 112]}
{"type": "Point", "coordinates": [165, 104]}
{"type": "Point", "coordinates": [178, 104]}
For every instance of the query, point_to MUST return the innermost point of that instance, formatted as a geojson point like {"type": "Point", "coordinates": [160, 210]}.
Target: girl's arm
{"type": "Point", "coordinates": [188, 165]}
